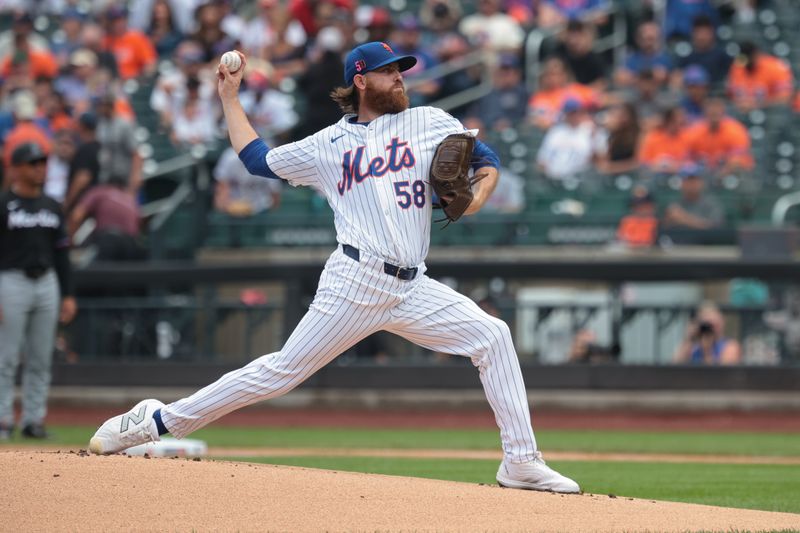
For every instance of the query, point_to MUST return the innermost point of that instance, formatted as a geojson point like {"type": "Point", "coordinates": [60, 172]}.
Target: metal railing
{"type": "Point", "coordinates": [782, 206]}
{"type": "Point", "coordinates": [204, 327]}
{"type": "Point", "coordinates": [175, 327]}
{"type": "Point", "coordinates": [477, 58]}
{"type": "Point", "coordinates": [536, 38]}
{"type": "Point", "coordinates": [194, 178]}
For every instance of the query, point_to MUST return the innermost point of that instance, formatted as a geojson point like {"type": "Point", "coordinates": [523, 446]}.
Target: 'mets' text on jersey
{"type": "Point", "coordinates": [375, 178]}
{"type": "Point", "coordinates": [353, 170]}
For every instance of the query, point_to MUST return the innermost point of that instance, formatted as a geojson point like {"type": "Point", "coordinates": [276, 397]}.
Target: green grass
{"type": "Point", "coordinates": [768, 444]}
{"type": "Point", "coordinates": [765, 487]}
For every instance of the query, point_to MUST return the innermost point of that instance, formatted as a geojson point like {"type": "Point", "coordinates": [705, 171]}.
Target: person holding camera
{"type": "Point", "coordinates": [705, 343]}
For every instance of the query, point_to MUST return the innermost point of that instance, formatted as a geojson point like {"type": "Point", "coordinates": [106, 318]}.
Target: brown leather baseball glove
{"type": "Point", "coordinates": [450, 175]}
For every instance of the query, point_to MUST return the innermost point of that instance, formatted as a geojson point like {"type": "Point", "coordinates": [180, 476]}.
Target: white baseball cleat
{"type": "Point", "coordinates": [135, 427]}
{"type": "Point", "coordinates": [534, 475]}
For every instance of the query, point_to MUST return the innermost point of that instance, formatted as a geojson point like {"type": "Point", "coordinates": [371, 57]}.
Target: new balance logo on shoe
{"type": "Point", "coordinates": [136, 418]}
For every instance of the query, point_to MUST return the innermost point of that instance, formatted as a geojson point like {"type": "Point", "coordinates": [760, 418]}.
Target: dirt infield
{"type": "Point", "coordinates": [46, 491]}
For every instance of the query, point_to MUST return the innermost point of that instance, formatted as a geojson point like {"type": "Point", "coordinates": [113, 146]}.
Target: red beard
{"type": "Point", "coordinates": [382, 102]}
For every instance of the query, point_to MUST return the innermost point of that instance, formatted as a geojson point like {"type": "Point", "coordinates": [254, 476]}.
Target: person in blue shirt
{"type": "Point", "coordinates": [554, 13]}
{"type": "Point", "coordinates": [680, 14]}
{"type": "Point", "coordinates": [707, 53]}
{"type": "Point", "coordinates": [696, 89]}
{"type": "Point", "coordinates": [649, 55]}
{"type": "Point", "coordinates": [508, 100]}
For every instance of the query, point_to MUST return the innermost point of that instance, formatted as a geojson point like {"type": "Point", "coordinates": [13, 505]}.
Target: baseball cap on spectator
{"type": "Point", "coordinates": [690, 170]}
{"type": "Point", "coordinates": [88, 120]}
{"type": "Point", "coordinates": [695, 75]}
{"type": "Point", "coordinates": [509, 61]}
{"type": "Point", "coordinates": [571, 105]}
{"type": "Point", "coordinates": [371, 56]}
{"type": "Point", "coordinates": [116, 12]}
{"type": "Point", "coordinates": [408, 22]}
{"type": "Point", "coordinates": [641, 196]}
{"type": "Point", "coordinates": [370, 16]}
{"type": "Point", "coordinates": [73, 14]}
{"type": "Point", "coordinates": [24, 105]}
{"type": "Point", "coordinates": [83, 57]}
{"type": "Point", "coordinates": [27, 153]}
{"type": "Point", "coordinates": [380, 17]}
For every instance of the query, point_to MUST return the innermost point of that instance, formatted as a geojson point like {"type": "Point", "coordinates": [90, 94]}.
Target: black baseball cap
{"type": "Point", "coordinates": [372, 56]}
{"type": "Point", "coordinates": [641, 197]}
{"type": "Point", "coordinates": [88, 120]}
{"type": "Point", "coordinates": [27, 153]}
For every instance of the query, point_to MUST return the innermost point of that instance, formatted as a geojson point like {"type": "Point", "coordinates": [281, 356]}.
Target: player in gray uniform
{"type": "Point", "coordinates": [35, 289]}
{"type": "Point", "coordinates": [372, 166]}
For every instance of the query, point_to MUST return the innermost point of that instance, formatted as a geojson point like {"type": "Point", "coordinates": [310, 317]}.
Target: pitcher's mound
{"type": "Point", "coordinates": [67, 491]}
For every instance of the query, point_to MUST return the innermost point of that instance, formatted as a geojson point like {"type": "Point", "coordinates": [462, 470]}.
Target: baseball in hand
{"type": "Point", "coordinates": [231, 60]}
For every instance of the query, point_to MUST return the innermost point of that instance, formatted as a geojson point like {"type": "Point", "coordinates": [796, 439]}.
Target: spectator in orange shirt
{"type": "Point", "coordinates": [27, 61]}
{"type": "Point", "coordinates": [757, 79]}
{"type": "Point", "coordinates": [555, 88]}
{"type": "Point", "coordinates": [24, 131]}
{"type": "Point", "coordinates": [135, 53]}
{"type": "Point", "coordinates": [665, 148]}
{"type": "Point", "coordinates": [720, 142]}
{"type": "Point", "coordinates": [639, 228]}
{"type": "Point", "coordinates": [55, 110]}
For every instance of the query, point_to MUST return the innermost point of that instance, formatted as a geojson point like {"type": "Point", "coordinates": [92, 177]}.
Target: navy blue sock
{"type": "Point", "coordinates": [162, 429]}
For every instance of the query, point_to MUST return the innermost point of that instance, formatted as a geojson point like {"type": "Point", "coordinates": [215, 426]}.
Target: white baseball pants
{"type": "Point", "coordinates": [354, 300]}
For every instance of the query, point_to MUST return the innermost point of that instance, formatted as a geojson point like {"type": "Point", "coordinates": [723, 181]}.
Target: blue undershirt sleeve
{"type": "Point", "coordinates": [483, 156]}
{"type": "Point", "coordinates": [254, 157]}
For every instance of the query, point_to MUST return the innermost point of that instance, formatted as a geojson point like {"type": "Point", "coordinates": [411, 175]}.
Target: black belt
{"type": "Point", "coordinates": [35, 272]}
{"type": "Point", "coordinates": [406, 274]}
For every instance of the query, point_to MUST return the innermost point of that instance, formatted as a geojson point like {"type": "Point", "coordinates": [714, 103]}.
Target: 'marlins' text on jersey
{"type": "Point", "coordinates": [40, 219]}
{"type": "Point", "coordinates": [377, 167]}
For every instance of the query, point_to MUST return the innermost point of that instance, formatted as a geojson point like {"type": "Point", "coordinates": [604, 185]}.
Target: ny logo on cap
{"type": "Point", "coordinates": [388, 48]}
{"type": "Point", "coordinates": [360, 65]}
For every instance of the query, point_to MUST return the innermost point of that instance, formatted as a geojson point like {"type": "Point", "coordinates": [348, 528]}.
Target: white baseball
{"type": "Point", "coordinates": [231, 60]}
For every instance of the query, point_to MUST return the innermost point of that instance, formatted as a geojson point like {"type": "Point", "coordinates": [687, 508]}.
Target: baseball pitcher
{"type": "Point", "coordinates": [377, 167]}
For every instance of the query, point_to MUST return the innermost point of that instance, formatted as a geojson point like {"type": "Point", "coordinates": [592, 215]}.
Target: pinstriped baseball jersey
{"type": "Point", "coordinates": [375, 177]}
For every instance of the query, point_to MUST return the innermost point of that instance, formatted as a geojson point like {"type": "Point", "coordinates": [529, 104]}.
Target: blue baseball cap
{"type": "Point", "coordinates": [695, 75]}
{"type": "Point", "coordinates": [571, 104]}
{"type": "Point", "coordinates": [371, 56]}
{"type": "Point", "coordinates": [690, 170]}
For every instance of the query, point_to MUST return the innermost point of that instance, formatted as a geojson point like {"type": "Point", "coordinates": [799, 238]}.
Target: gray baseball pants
{"type": "Point", "coordinates": [29, 318]}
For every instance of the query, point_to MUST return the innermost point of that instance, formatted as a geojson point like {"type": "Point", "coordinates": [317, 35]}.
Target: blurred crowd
{"type": "Point", "coordinates": [653, 113]}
